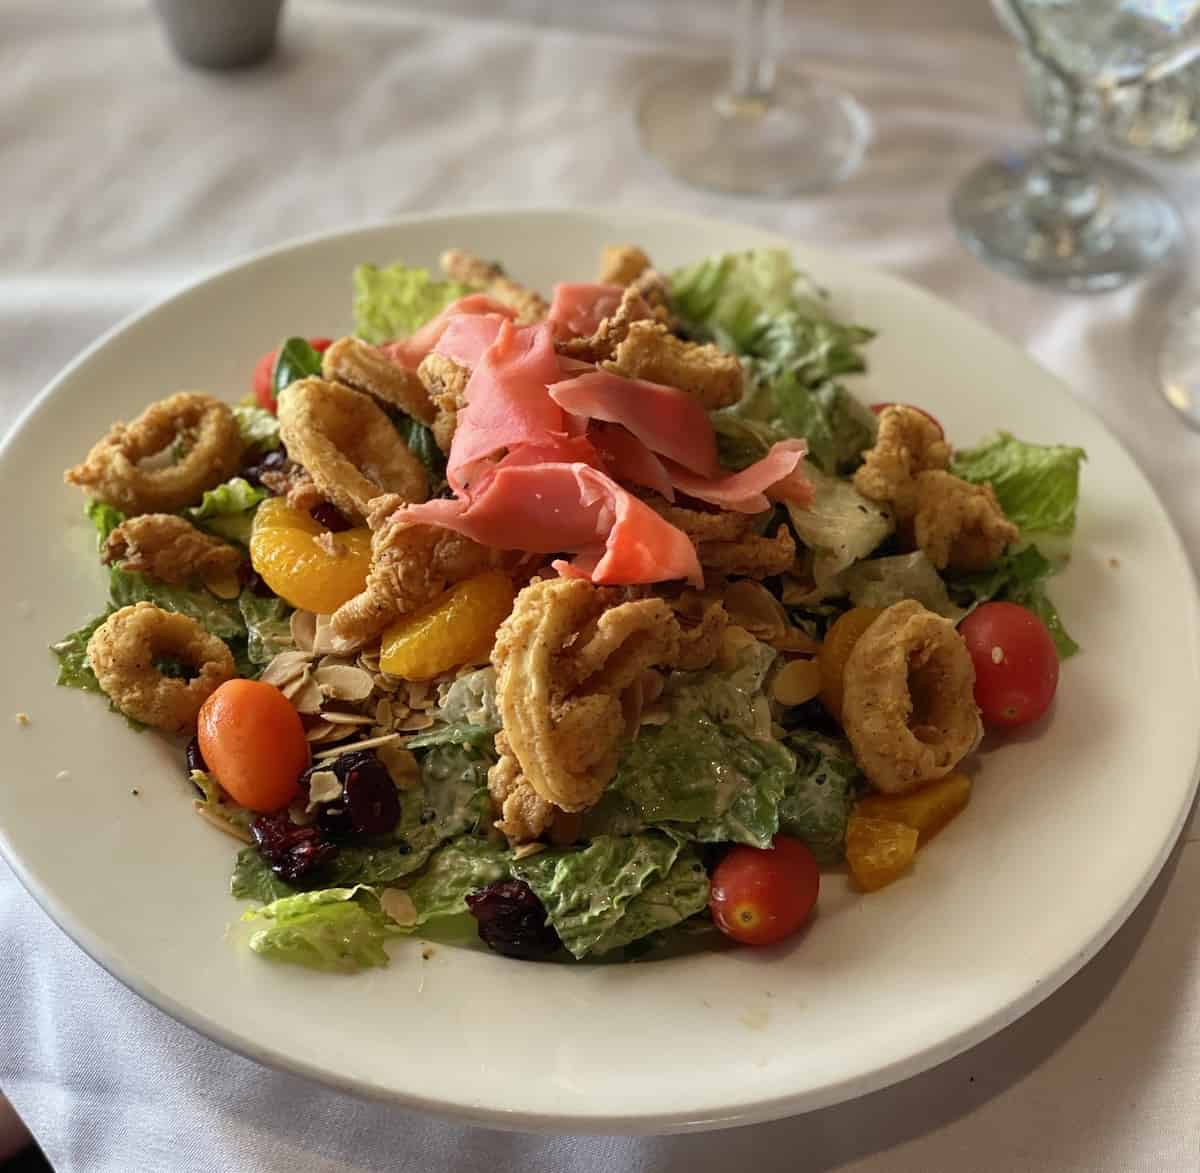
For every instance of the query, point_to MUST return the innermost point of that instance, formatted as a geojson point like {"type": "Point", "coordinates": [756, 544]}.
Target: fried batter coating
{"type": "Point", "coordinates": [752, 556]}
{"type": "Point", "coordinates": [410, 566]}
{"type": "Point", "coordinates": [563, 659]}
{"type": "Point", "coordinates": [169, 548]}
{"type": "Point", "coordinates": [909, 443]}
{"type": "Point", "coordinates": [622, 264]}
{"type": "Point", "coordinates": [603, 342]}
{"type": "Point", "coordinates": [348, 445]}
{"type": "Point", "coordinates": [700, 643]}
{"type": "Point", "coordinates": [649, 351]}
{"type": "Point", "coordinates": [490, 278]}
{"type": "Point", "coordinates": [524, 814]}
{"type": "Point", "coordinates": [123, 651]}
{"type": "Point", "coordinates": [909, 707]}
{"type": "Point", "coordinates": [118, 469]}
{"type": "Point", "coordinates": [702, 525]}
{"type": "Point", "coordinates": [365, 368]}
{"type": "Point", "coordinates": [959, 524]}
{"type": "Point", "coordinates": [445, 383]}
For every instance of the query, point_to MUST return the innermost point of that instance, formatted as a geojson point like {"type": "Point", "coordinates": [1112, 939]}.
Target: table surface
{"type": "Point", "coordinates": [126, 175]}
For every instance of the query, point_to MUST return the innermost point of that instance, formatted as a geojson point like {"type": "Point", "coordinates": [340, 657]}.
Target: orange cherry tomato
{"type": "Point", "coordinates": [253, 743]}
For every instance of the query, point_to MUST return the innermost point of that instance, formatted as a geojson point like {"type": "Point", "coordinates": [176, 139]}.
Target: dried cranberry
{"type": "Point", "coordinates": [369, 803]}
{"type": "Point", "coordinates": [271, 462]}
{"type": "Point", "coordinates": [330, 516]}
{"type": "Point", "coordinates": [195, 759]}
{"type": "Point", "coordinates": [293, 852]}
{"type": "Point", "coordinates": [512, 920]}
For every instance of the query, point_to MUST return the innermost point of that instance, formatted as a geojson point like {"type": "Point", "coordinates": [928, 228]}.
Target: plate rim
{"type": "Point", "coordinates": [742, 1114]}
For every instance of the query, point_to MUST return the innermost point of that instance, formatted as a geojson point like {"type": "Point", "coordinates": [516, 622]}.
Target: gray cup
{"type": "Point", "coordinates": [221, 34]}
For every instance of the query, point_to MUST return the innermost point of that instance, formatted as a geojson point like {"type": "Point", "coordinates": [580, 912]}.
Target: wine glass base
{"type": "Point", "coordinates": [1134, 229]}
{"type": "Point", "coordinates": [1179, 363]}
{"type": "Point", "coordinates": [808, 137]}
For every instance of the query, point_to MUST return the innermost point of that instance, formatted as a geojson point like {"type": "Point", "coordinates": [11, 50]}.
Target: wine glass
{"type": "Point", "coordinates": [1064, 214]}
{"type": "Point", "coordinates": [756, 129]}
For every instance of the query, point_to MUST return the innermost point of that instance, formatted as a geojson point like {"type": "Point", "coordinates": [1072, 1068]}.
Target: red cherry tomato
{"type": "Point", "coordinates": [877, 408]}
{"type": "Point", "coordinates": [760, 897]}
{"type": "Point", "coordinates": [1016, 664]}
{"type": "Point", "coordinates": [264, 390]}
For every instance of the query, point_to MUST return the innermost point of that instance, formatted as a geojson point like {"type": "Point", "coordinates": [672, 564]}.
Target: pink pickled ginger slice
{"type": "Point", "coordinates": [779, 474]}
{"type": "Point", "coordinates": [579, 307]}
{"type": "Point", "coordinates": [408, 352]}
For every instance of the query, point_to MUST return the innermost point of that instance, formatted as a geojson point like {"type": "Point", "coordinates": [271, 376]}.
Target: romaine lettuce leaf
{"type": "Point", "coordinates": [471, 700]}
{"type": "Point", "coordinates": [880, 582]}
{"type": "Point", "coordinates": [395, 301]}
{"type": "Point", "coordinates": [259, 428]}
{"type": "Point", "coordinates": [253, 879]}
{"type": "Point", "coordinates": [837, 426]}
{"type": "Point", "coordinates": [586, 891]}
{"type": "Point", "coordinates": [423, 446]}
{"type": "Point", "coordinates": [268, 626]}
{"type": "Point", "coordinates": [664, 903]}
{"type": "Point", "coordinates": [699, 780]}
{"type": "Point", "coordinates": [840, 526]}
{"type": "Point", "coordinates": [727, 698]}
{"type": "Point", "coordinates": [105, 518]}
{"type": "Point", "coordinates": [1037, 484]}
{"type": "Point", "coordinates": [454, 871]}
{"type": "Point", "coordinates": [329, 930]}
{"type": "Point", "coordinates": [820, 793]}
{"type": "Point", "coordinates": [1020, 578]}
{"type": "Point", "coordinates": [74, 671]}
{"type": "Point", "coordinates": [219, 616]}
{"type": "Point", "coordinates": [228, 510]}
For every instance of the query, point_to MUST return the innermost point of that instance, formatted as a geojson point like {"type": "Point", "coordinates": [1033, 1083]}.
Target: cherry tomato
{"type": "Point", "coordinates": [264, 369]}
{"type": "Point", "coordinates": [760, 897]}
{"type": "Point", "coordinates": [253, 742]}
{"type": "Point", "coordinates": [877, 408]}
{"type": "Point", "coordinates": [1016, 664]}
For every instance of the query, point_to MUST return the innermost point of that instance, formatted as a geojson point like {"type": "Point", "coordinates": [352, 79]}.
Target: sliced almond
{"type": "Point", "coordinates": [383, 713]}
{"type": "Point", "coordinates": [285, 668]}
{"type": "Point", "coordinates": [336, 718]}
{"type": "Point", "coordinates": [319, 731]}
{"type": "Point", "coordinates": [304, 694]}
{"type": "Point", "coordinates": [343, 683]}
{"type": "Point", "coordinates": [323, 786]}
{"type": "Point", "coordinates": [415, 722]}
{"type": "Point", "coordinates": [225, 585]}
{"type": "Point", "coordinates": [796, 683]}
{"type": "Point", "coordinates": [366, 743]}
{"type": "Point", "coordinates": [418, 693]}
{"type": "Point", "coordinates": [401, 765]}
{"type": "Point", "coordinates": [795, 640]}
{"type": "Point", "coordinates": [324, 640]}
{"type": "Point", "coordinates": [304, 630]}
{"type": "Point", "coordinates": [753, 607]}
{"type": "Point", "coordinates": [527, 849]}
{"type": "Point", "coordinates": [398, 904]}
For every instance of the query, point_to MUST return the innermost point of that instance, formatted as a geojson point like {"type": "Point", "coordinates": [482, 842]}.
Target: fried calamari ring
{"type": "Point", "coordinates": [118, 470]}
{"type": "Point", "coordinates": [909, 707]}
{"type": "Point", "coordinates": [350, 448]}
{"type": "Point", "coordinates": [123, 651]}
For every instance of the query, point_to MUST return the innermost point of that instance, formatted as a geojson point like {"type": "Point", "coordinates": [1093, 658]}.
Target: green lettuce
{"type": "Point", "coordinates": [268, 626]}
{"type": "Point", "coordinates": [455, 871]}
{"type": "Point", "coordinates": [105, 518]}
{"type": "Point", "coordinates": [259, 428]}
{"type": "Point", "coordinates": [253, 879]}
{"type": "Point", "coordinates": [228, 510]}
{"type": "Point", "coordinates": [74, 671]}
{"type": "Point", "coordinates": [727, 698]}
{"type": "Point", "coordinates": [699, 780]}
{"type": "Point", "coordinates": [423, 446]}
{"type": "Point", "coordinates": [586, 891]}
{"type": "Point", "coordinates": [820, 793]}
{"type": "Point", "coordinates": [1037, 484]}
{"type": "Point", "coordinates": [880, 582]}
{"type": "Point", "coordinates": [294, 360]}
{"type": "Point", "coordinates": [837, 426]}
{"type": "Point", "coordinates": [329, 930]}
{"type": "Point", "coordinates": [396, 301]}
{"type": "Point", "coordinates": [664, 903]}
{"type": "Point", "coordinates": [1020, 578]}
{"type": "Point", "coordinates": [219, 616]}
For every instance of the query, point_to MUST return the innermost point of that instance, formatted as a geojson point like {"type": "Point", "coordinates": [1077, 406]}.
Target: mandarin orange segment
{"type": "Point", "coordinates": [878, 851]}
{"type": "Point", "coordinates": [303, 562]}
{"type": "Point", "coordinates": [927, 810]}
{"type": "Point", "coordinates": [835, 651]}
{"type": "Point", "coordinates": [459, 626]}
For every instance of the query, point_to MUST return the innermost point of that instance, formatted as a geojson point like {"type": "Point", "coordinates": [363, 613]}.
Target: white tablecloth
{"type": "Point", "coordinates": [124, 175]}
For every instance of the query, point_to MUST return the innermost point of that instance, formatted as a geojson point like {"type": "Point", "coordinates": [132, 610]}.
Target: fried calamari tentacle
{"type": "Point", "coordinates": [489, 278]}
{"type": "Point", "coordinates": [909, 443]}
{"type": "Point", "coordinates": [410, 566]}
{"type": "Point", "coordinates": [124, 651]}
{"type": "Point", "coordinates": [909, 707]}
{"type": "Point", "coordinates": [959, 524]}
{"type": "Point", "coordinates": [445, 383]}
{"type": "Point", "coordinates": [622, 264]}
{"type": "Point", "coordinates": [649, 351]}
{"type": "Point", "coordinates": [169, 548]}
{"type": "Point", "coordinates": [120, 471]}
{"type": "Point", "coordinates": [365, 368]}
{"type": "Point", "coordinates": [563, 659]}
{"type": "Point", "coordinates": [603, 342]}
{"type": "Point", "coordinates": [703, 525]}
{"type": "Point", "coordinates": [348, 445]}
{"type": "Point", "coordinates": [751, 556]}
{"type": "Point", "coordinates": [524, 814]}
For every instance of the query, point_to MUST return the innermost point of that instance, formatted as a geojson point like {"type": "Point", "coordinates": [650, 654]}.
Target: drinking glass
{"type": "Point", "coordinates": [756, 128]}
{"type": "Point", "coordinates": [1063, 214]}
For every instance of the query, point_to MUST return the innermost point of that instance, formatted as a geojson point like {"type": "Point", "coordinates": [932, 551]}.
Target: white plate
{"type": "Point", "coordinates": [1066, 830]}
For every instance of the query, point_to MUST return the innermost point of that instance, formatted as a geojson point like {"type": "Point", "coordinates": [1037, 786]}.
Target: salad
{"type": "Point", "coordinates": [590, 627]}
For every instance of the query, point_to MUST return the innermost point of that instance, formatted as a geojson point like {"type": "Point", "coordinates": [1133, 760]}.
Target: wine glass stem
{"type": "Point", "coordinates": [753, 80]}
{"type": "Point", "coordinates": [1061, 190]}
